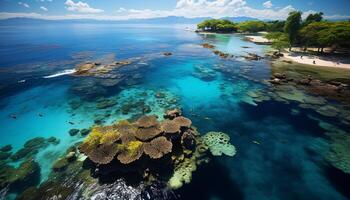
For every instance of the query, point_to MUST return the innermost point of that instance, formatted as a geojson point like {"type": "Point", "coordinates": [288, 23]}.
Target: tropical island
{"type": "Point", "coordinates": [312, 41]}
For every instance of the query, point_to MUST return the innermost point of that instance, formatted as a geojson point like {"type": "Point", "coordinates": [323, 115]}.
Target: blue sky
{"type": "Point", "coordinates": [126, 9]}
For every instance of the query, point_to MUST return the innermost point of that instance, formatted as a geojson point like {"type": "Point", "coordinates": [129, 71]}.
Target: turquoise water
{"type": "Point", "coordinates": [273, 144]}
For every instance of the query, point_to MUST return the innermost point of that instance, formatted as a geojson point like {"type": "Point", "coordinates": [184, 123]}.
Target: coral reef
{"type": "Point", "coordinates": [170, 126]}
{"type": "Point", "coordinates": [26, 175]}
{"type": "Point", "coordinates": [32, 147]}
{"type": "Point", "coordinates": [148, 147]}
{"type": "Point", "coordinates": [218, 144]}
{"type": "Point", "coordinates": [6, 148]}
{"type": "Point", "coordinates": [95, 68]}
{"type": "Point", "coordinates": [182, 173]}
{"type": "Point", "coordinates": [158, 147]}
{"type": "Point", "coordinates": [339, 154]}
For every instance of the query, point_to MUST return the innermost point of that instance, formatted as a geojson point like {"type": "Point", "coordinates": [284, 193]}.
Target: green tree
{"type": "Point", "coordinates": [336, 35]}
{"type": "Point", "coordinates": [252, 26]}
{"type": "Point", "coordinates": [217, 25]}
{"type": "Point", "coordinates": [292, 26]}
{"type": "Point", "coordinates": [279, 40]}
{"type": "Point", "coordinates": [316, 17]}
{"type": "Point", "coordinates": [310, 34]}
{"type": "Point", "coordinates": [275, 26]}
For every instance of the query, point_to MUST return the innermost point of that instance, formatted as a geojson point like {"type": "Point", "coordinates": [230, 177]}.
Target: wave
{"type": "Point", "coordinates": [61, 73]}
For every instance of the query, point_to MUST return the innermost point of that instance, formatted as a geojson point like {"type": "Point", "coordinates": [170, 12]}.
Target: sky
{"type": "Point", "coordinates": [140, 9]}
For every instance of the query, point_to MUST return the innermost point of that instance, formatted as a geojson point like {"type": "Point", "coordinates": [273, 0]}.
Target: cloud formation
{"type": "Point", "coordinates": [81, 7]}
{"type": "Point", "coordinates": [268, 4]}
{"type": "Point", "coordinates": [23, 4]}
{"type": "Point", "coordinates": [43, 8]}
{"type": "Point", "coordinates": [185, 8]}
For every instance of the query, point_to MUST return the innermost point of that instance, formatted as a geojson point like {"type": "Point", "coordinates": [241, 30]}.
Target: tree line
{"type": "Point", "coordinates": [314, 31]}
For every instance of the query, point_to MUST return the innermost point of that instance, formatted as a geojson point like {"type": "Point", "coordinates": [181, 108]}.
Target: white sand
{"type": "Point", "coordinates": [319, 61]}
{"type": "Point", "coordinates": [258, 39]}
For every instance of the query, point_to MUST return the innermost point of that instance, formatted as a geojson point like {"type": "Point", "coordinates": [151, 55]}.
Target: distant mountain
{"type": "Point", "coordinates": [159, 20]}
{"type": "Point", "coordinates": [240, 19]}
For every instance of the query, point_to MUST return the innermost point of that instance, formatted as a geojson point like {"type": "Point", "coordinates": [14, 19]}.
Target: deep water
{"type": "Point", "coordinates": [279, 153]}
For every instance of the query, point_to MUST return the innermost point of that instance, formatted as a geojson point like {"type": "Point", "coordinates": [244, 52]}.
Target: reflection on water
{"type": "Point", "coordinates": [292, 142]}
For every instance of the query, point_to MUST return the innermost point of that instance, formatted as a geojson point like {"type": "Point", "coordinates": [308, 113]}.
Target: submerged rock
{"type": "Point", "coordinates": [6, 148]}
{"type": "Point", "coordinates": [339, 154]}
{"type": "Point", "coordinates": [26, 175]}
{"type": "Point", "coordinates": [73, 132]}
{"type": "Point", "coordinates": [32, 147]}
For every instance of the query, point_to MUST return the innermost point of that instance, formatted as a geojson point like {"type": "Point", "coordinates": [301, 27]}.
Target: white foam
{"type": "Point", "coordinates": [61, 73]}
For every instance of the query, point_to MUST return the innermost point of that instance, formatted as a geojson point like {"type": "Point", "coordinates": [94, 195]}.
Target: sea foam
{"type": "Point", "coordinates": [61, 73]}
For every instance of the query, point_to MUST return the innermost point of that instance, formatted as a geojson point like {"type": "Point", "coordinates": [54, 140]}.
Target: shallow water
{"type": "Point", "coordinates": [280, 153]}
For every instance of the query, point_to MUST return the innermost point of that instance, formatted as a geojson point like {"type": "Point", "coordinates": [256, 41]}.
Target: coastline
{"type": "Point", "coordinates": [258, 39]}
{"type": "Point", "coordinates": [321, 61]}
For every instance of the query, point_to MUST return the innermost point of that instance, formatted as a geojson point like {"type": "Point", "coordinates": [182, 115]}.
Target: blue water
{"type": "Point", "coordinates": [272, 160]}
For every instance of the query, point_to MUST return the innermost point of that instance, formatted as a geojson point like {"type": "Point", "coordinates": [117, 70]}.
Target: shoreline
{"type": "Point", "coordinates": [321, 61]}
{"type": "Point", "coordinates": [258, 39]}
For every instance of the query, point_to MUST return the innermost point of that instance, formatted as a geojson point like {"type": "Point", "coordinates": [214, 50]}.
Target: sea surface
{"type": "Point", "coordinates": [280, 145]}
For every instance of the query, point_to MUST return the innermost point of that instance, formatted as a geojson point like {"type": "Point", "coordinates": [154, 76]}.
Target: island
{"type": "Point", "coordinates": [312, 41]}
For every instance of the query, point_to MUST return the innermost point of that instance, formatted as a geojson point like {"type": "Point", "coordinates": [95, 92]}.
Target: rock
{"type": "Point", "coordinates": [60, 164]}
{"type": "Point", "coordinates": [208, 46]}
{"type": "Point", "coordinates": [5, 155]}
{"type": "Point", "coordinates": [167, 54]}
{"type": "Point", "coordinates": [279, 76]}
{"type": "Point", "coordinates": [275, 81]}
{"type": "Point", "coordinates": [6, 148]}
{"type": "Point", "coordinates": [84, 131]}
{"type": "Point", "coordinates": [26, 175]}
{"type": "Point", "coordinates": [73, 132]}
{"type": "Point", "coordinates": [53, 140]}
{"type": "Point", "coordinates": [70, 156]}
{"type": "Point", "coordinates": [304, 81]}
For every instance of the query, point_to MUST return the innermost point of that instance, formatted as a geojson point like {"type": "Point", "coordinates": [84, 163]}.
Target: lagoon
{"type": "Point", "coordinates": [279, 132]}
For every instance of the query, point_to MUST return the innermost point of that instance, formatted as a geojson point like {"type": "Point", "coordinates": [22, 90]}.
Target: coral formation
{"type": "Point", "coordinates": [151, 149]}
{"type": "Point", "coordinates": [218, 144]}
{"type": "Point", "coordinates": [170, 126]}
{"type": "Point", "coordinates": [158, 147]}
{"type": "Point", "coordinates": [339, 154]}
{"type": "Point", "coordinates": [183, 122]}
{"type": "Point", "coordinates": [182, 173]}
{"type": "Point", "coordinates": [6, 148]}
{"type": "Point", "coordinates": [148, 133]}
{"type": "Point", "coordinates": [171, 114]}
{"type": "Point", "coordinates": [147, 121]}
{"type": "Point", "coordinates": [32, 147]}
{"type": "Point", "coordinates": [27, 174]}
{"type": "Point", "coordinates": [130, 152]}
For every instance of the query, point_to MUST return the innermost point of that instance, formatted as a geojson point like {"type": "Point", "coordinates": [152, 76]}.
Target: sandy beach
{"type": "Point", "coordinates": [258, 39]}
{"type": "Point", "coordinates": [317, 60]}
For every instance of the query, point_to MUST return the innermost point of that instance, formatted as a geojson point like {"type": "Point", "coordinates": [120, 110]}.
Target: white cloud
{"type": "Point", "coordinates": [187, 8]}
{"type": "Point", "coordinates": [23, 4]}
{"type": "Point", "coordinates": [43, 8]}
{"type": "Point", "coordinates": [268, 4]}
{"type": "Point", "coordinates": [81, 7]}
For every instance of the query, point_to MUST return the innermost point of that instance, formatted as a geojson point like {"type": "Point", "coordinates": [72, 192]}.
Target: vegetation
{"type": "Point", "coordinates": [326, 34]}
{"type": "Point", "coordinates": [279, 40]}
{"type": "Point", "coordinates": [252, 26]}
{"type": "Point", "coordinates": [292, 26]}
{"type": "Point", "coordinates": [217, 25]}
{"type": "Point", "coordinates": [275, 26]}
{"type": "Point", "coordinates": [314, 31]}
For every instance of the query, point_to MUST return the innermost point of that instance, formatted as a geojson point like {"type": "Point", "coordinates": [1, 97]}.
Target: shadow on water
{"type": "Point", "coordinates": [281, 111]}
{"type": "Point", "coordinates": [339, 180]}
{"type": "Point", "coordinates": [211, 181]}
